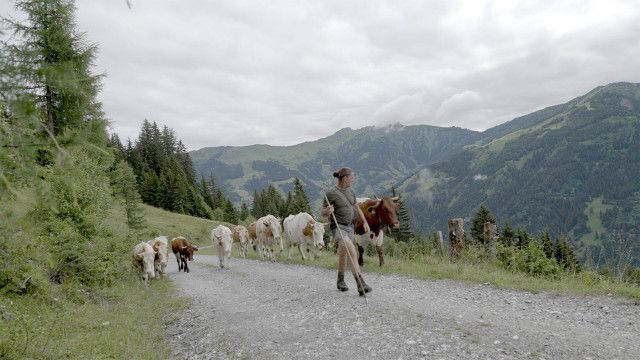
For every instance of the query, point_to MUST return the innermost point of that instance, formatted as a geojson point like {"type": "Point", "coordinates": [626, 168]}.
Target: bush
{"type": "Point", "coordinates": [530, 259]}
{"type": "Point", "coordinates": [71, 209]}
{"type": "Point", "coordinates": [19, 271]}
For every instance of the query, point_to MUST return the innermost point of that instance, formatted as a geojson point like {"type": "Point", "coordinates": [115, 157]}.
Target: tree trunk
{"type": "Point", "coordinates": [490, 240]}
{"type": "Point", "coordinates": [456, 236]}
{"type": "Point", "coordinates": [51, 125]}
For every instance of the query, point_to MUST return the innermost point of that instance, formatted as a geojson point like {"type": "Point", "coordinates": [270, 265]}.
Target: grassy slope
{"type": "Point", "coordinates": [125, 321]}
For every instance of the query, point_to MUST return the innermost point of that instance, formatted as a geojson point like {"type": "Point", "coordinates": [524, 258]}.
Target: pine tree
{"type": "Point", "coordinates": [244, 212]}
{"type": "Point", "coordinates": [299, 200]}
{"type": "Point", "coordinates": [477, 228]}
{"type": "Point", "coordinates": [230, 213]}
{"type": "Point", "coordinates": [206, 194]}
{"type": "Point", "coordinates": [547, 245]}
{"type": "Point", "coordinates": [404, 232]}
{"type": "Point", "coordinates": [507, 234]}
{"type": "Point", "coordinates": [123, 184]}
{"type": "Point", "coordinates": [53, 63]}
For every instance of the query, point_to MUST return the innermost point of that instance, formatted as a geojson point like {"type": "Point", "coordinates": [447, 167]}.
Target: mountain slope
{"type": "Point", "coordinates": [381, 157]}
{"type": "Point", "coordinates": [570, 169]}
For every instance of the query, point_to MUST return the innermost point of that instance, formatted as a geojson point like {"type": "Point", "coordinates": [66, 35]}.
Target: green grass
{"type": "Point", "coordinates": [126, 321]}
{"type": "Point", "coordinates": [477, 272]}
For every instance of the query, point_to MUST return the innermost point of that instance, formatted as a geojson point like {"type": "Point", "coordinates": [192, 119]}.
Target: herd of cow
{"type": "Point", "coordinates": [266, 235]}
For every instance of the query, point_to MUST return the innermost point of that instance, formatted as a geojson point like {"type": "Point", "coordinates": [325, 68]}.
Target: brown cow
{"type": "Point", "coordinates": [379, 213]}
{"type": "Point", "coordinates": [253, 236]}
{"type": "Point", "coordinates": [183, 251]}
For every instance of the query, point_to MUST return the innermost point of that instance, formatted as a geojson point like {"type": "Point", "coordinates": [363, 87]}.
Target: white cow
{"type": "Point", "coordinates": [241, 236]}
{"type": "Point", "coordinates": [160, 247]}
{"type": "Point", "coordinates": [302, 230]}
{"type": "Point", "coordinates": [142, 258]}
{"type": "Point", "coordinates": [269, 234]}
{"type": "Point", "coordinates": [221, 237]}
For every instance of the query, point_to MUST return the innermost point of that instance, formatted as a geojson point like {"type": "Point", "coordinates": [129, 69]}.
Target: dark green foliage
{"type": "Point", "coordinates": [52, 60]}
{"type": "Point", "coordinates": [565, 256]}
{"type": "Point", "coordinates": [268, 202]}
{"type": "Point", "coordinates": [123, 184]}
{"type": "Point", "coordinates": [230, 213]}
{"type": "Point", "coordinates": [299, 200]}
{"type": "Point", "coordinates": [507, 234]}
{"type": "Point", "coordinates": [404, 232]}
{"type": "Point", "coordinates": [530, 259]}
{"type": "Point", "coordinates": [477, 228]}
{"type": "Point", "coordinates": [244, 212]}
{"type": "Point", "coordinates": [54, 144]}
{"type": "Point", "coordinates": [165, 174]}
{"type": "Point", "coordinates": [71, 206]}
{"type": "Point", "coordinates": [547, 245]}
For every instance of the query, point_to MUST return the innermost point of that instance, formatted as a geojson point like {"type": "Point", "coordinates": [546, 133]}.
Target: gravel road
{"type": "Point", "coordinates": [265, 310]}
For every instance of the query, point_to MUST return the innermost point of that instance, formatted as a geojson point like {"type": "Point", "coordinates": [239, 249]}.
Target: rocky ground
{"type": "Point", "coordinates": [265, 310]}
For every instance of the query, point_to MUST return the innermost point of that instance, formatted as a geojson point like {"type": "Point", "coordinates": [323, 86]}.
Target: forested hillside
{"type": "Point", "coordinates": [380, 156]}
{"type": "Point", "coordinates": [569, 169]}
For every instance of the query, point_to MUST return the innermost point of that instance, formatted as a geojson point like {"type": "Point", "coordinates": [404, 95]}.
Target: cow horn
{"type": "Point", "coordinates": [395, 198]}
{"type": "Point", "coordinates": [311, 221]}
{"type": "Point", "coordinates": [182, 247]}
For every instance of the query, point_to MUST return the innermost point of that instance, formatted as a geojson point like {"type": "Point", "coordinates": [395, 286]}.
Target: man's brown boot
{"type": "Point", "coordinates": [342, 286]}
{"type": "Point", "coordinates": [362, 286]}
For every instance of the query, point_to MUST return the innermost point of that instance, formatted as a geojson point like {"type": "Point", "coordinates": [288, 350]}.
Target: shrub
{"type": "Point", "coordinates": [71, 209]}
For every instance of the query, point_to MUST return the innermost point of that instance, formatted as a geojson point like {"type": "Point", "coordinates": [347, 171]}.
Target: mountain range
{"type": "Point", "coordinates": [570, 169]}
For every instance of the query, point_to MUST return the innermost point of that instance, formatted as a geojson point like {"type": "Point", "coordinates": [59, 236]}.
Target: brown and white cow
{"type": "Point", "coordinates": [241, 236]}
{"type": "Point", "coordinates": [160, 247]}
{"type": "Point", "coordinates": [142, 258]}
{"type": "Point", "coordinates": [183, 251]}
{"type": "Point", "coordinates": [379, 213]}
{"type": "Point", "coordinates": [221, 237]}
{"type": "Point", "coordinates": [269, 234]}
{"type": "Point", "coordinates": [253, 236]}
{"type": "Point", "coordinates": [302, 230]}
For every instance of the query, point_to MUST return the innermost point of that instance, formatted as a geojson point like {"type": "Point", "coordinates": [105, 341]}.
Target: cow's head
{"type": "Point", "coordinates": [315, 230]}
{"type": "Point", "coordinates": [188, 250]}
{"type": "Point", "coordinates": [222, 237]}
{"type": "Point", "coordinates": [240, 234]}
{"type": "Point", "coordinates": [385, 210]}
{"type": "Point", "coordinates": [145, 255]}
{"type": "Point", "coordinates": [159, 245]}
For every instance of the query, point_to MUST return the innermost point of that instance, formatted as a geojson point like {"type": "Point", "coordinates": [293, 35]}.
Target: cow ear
{"type": "Point", "coordinates": [398, 205]}
{"type": "Point", "coordinates": [195, 248]}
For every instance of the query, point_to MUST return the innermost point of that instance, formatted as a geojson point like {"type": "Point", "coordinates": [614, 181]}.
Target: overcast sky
{"type": "Point", "coordinates": [284, 72]}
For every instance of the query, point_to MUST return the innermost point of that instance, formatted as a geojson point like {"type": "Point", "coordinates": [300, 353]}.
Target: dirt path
{"type": "Point", "coordinates": [263, 310]}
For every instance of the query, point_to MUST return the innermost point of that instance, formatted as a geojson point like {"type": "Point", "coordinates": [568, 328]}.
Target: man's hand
{"type": "Point", "coordinates": [327, 211]}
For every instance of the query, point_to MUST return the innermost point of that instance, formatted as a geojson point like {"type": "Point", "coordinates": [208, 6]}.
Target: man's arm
{"type": "Point", "coordinates": [360, 214]}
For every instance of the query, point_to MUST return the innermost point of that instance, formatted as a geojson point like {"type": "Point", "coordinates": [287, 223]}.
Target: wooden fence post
{"type": "Point", "coordinates": [490, 240]}
{"type": "Point", "coordinates": [443, 251]}
{"type": "Point", "coordinates": [456, 233]}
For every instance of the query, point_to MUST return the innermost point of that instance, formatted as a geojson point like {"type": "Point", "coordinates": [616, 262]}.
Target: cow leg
{"type": "Point", "coordinates": [360, 253]}
{"type": "Point", "coordinates": [178, 261]}
{"type": "Point", "coordinates": [300, 247]}
{"type": "Point", "coordinates": [380, 254]}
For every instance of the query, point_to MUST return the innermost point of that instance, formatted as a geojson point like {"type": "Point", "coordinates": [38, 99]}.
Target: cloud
{"type": "Point", "coordinates": [282, 72]}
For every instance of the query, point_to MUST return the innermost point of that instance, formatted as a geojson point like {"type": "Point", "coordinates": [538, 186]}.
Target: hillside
{"type": "Point", "coordinates": [381, 157]}
{"type": "Point", "coordinates": [569, 169]}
